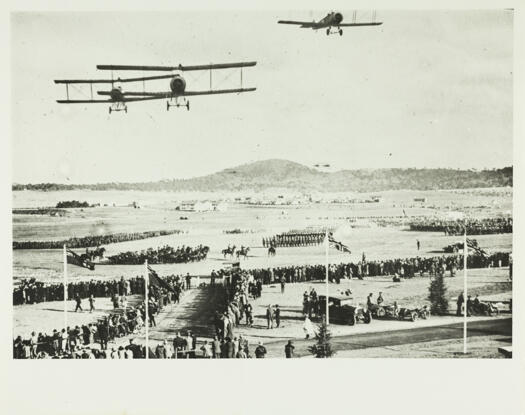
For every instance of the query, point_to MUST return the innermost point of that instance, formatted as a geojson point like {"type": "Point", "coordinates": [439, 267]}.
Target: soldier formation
{"type": "Point", "coordinates": [294, 239]}
{"type": "Point", "coordinates": [91, 241]}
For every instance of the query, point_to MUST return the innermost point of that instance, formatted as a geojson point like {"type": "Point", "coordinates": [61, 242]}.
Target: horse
{"type": "Point", "coordinates": [228, 251]}
{"type": "Point", "coordinates": [243, 252]}
{"type": "Point", "coordinates": [271, 251]}
{"type": "Point", "coordinates": [96, 253]}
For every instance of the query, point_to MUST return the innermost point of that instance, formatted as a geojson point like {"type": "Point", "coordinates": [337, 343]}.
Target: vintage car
{"type": "Point", "coordinates": [413, 314]}
{"type": "Point", "coordinates": [343, 310]}
{"type": "Point", "coordinates": [486, 308]}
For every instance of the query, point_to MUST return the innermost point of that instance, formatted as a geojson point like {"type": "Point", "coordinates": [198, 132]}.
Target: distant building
{"type": "Point", "coordinates": [420, 199]}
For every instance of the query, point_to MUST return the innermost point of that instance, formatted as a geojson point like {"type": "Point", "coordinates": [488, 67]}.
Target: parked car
{"type": "Point", "coordinates": [343, 310]}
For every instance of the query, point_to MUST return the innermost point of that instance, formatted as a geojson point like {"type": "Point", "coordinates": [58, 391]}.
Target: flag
{"type": "Point", "coordinates": [338, 245]}
{"type": "Point", "coordinates": [79, 260]}
{"type": "Point", "coordinates": [156, 281]}
{"type": "Point", "coordinates": [473, 244]}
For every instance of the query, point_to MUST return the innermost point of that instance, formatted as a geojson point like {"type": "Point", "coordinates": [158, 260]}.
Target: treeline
{"type": "Point", "coordinates": [265, 174]}
{"type": "Point", "coordinates": [72, 204]}
{"type": "Point", "coordinates": [92, 241]}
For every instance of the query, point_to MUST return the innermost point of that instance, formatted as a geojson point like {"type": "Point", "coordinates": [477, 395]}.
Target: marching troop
{"type": "Point", "coordinates": [294, 239]}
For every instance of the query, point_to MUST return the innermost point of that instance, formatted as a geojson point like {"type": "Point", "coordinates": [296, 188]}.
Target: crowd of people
{"type": "Point", "coordinates": [163, 255]}
{"type": "Point", "coordinates": [91, 241]}
{"type": "Point", "coordinates": [484, 226]}
{"type": "Point", "coordinates": [32, 291]}
{"type": "Point", "coordinates": [91, 340]}
{"type": "Point", "coordinates": [402, 267]}
{"type": "Point", "coordinates": [305, 238]}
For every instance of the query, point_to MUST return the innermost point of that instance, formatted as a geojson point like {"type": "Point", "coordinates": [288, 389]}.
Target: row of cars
{"type": "Point", "coordinates": [343, 310]}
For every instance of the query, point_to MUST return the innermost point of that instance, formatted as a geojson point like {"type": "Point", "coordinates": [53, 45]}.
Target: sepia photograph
{"type": "Point", "coordinates": [271, 184]}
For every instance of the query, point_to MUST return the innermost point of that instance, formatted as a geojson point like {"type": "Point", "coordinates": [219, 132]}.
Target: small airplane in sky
{"type": "Point", "coordinates": [117, 98]}
{"type": "Point", "coordinates": [332, 19]}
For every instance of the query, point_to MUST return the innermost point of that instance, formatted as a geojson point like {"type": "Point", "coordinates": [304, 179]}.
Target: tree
{"type": "Point", "coordinates": [437, 295]}
{"type": "Point", "coordinates": [323, 347]}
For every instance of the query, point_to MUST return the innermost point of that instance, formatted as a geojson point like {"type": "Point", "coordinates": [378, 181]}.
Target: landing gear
{"type": "Point", "coordinates": [118, 106]}
{"type": "Point", "coordinates": [330, 32]}
{"type": "Point", "coordinates": [177, 104]}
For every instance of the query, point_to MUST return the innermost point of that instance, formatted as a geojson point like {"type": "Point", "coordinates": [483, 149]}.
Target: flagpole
{"type": "Point", "coordinates": [465, 295]}
{"type": "Point", "coordinates": [65, 287]}
{"type": "Point", "coordinates": [146, 289]}
{"type": "Point", "coordinates": [327, 291]}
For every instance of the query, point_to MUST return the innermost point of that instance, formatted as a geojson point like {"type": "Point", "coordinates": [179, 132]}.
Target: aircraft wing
{"type": "Point", "coordinates": [110, 81]}
{"type": "Point", "coordinates": [176, 68]}
{"type": "Point", "coordinates": [359, 24]}
{"type": "Point", "coordinates": [302, 24]}
{"type": "Point", "coordinates": [107, 101]}
{"type": "Point", "coordinates": [169, 94]}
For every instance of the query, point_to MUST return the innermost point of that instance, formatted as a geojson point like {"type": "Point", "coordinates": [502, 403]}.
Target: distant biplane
{"type": "Point", "coordinates": [332, 19]}
{"type": "Point", "coordinates": [118, 98]}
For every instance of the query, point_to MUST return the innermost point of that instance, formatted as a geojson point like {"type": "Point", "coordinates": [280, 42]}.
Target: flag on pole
{"type": "Point", "coordinates": [79, 260]}
{"type": "Point", "coordinates": [337, 245]}
{"type": "Point", "coordinates": [472, 244]}
{"type": "Point", "coordinates": [156, 281]}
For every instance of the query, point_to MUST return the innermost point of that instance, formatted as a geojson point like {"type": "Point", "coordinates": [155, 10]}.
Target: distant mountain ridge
{"type": "Point", "coordinates": [284, 174]}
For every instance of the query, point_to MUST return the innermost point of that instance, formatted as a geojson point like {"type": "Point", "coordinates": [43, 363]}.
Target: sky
{"type": "Point", "coordinates": [425, 89]}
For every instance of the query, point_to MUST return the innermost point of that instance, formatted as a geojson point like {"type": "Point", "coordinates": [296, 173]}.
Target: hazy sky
{"type": "Point", "coordinates": [433, 89]}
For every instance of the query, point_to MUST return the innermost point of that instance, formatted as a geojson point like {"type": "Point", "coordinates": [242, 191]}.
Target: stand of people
{"type": "Point", "coordinates": [483, 226]}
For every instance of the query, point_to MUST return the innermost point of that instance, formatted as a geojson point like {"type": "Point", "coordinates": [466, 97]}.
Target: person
{"type": "Point", "coordinates": [308, 327]}
{"type": "Point", "coordinates": [160, 351]}
{"type": "Point", "coordinates": [469, 306]}
{"type": "Point", "coordinates": [369, 302]}
{"type": "Point", "coordinates": [380, 298]}
{"type": "Point", "coordinates": [277, 314]}
{"type": "Point", "coordinates": [260, 351]}
{"type": "Point", "coordinates": [206, 350]}
{"type": "Point", "coordinates": [269, 316]}
{"type": "Point", "coordinates": [288, 349]}
{"type": "Point", "coordinates": [248, 312]}
{"type": "Point", "coordinates": [475, 304]}
{"type": "Point", "coordinates": [216, 348]}
{"type": "Point", "coordinates": [510, 266]}
{"type": "Point", "coordinates": [79, 303]}
{"type": "Point", "coordinates": [418, 244]}
{"type": "Point", "coordinates": [188, 281]}
{"type": "Point", "coordinates": [283, 283]}
{"type": "Point", "coordinates": [459, 304]}
{"type": "Point", "coordinates": [34, 344]}
{"type": "Point", "coordinates": [91, 303]}
{"type": "Point", "coordinates": [179, 343]}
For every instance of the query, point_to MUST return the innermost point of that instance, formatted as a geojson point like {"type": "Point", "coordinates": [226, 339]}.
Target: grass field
{"type": "Point", "coordinates": [208, 228]}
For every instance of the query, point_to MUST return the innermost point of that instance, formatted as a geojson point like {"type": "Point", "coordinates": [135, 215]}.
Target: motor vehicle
{"type": "Point", "coordinates": [343, 310]}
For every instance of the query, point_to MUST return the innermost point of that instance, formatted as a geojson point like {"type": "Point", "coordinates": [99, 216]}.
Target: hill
{"type": "Point", "coordinates": [283, 174]}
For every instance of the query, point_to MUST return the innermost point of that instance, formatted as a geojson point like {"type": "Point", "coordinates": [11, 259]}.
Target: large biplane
{"type": "Point", "coordinates": [332, 19]}
{"type": "Point", "coordinates": [118, 98]}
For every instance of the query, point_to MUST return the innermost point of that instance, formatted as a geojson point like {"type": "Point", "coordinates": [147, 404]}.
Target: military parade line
{"type": "Point", "coordinates": [93, 241]}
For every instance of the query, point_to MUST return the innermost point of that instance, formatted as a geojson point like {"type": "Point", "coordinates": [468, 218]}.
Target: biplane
{"type": "Point", "coordinates": [118, 98]}
{"type": "Point", "coordinates": [332, 20]}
